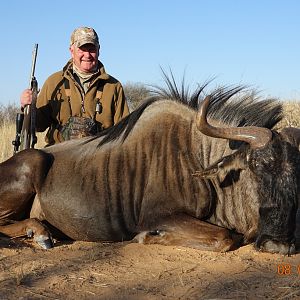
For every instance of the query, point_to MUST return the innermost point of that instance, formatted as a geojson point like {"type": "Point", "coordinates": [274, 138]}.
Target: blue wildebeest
{"type": "Point", "coordinates": [166, 174]}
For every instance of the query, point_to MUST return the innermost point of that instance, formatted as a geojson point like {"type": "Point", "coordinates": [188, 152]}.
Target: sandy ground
{"type": "Point", "coordinates": [82, 270]}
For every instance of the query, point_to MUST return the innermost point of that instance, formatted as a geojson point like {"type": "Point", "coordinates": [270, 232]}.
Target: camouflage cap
{"type": "Point", "coordinates": [84, 35]}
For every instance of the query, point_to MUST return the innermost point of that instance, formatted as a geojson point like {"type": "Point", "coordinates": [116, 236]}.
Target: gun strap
{"type": "Point", "coordinates": [98, 109]}
{"type": "Point", "coordinates": [68, 93]}
{"type": "Point", "coordinates": [67, 88]}
{"type": "Point", "coordinates": [99, 92]}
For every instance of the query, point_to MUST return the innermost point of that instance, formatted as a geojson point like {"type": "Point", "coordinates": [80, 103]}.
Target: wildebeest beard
{"type": "Point", "coordinates": [277, 171]}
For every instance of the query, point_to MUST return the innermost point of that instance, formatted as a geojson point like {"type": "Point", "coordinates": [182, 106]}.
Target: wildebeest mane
{"type": "Point", "coordinates": [232, 105]}
{"type": "Point", "coordinates": [238, 107]}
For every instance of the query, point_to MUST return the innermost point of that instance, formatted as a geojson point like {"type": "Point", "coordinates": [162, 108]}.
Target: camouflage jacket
{"type": "Point", "coordinates": [57, 102]}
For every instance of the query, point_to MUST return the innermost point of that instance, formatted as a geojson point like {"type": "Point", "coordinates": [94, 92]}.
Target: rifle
{"type": "Point", "coordinates": [26, 122]}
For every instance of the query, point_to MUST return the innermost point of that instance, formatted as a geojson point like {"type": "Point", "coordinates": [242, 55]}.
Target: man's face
{"type": "Point", "coordinates": [85, 57]}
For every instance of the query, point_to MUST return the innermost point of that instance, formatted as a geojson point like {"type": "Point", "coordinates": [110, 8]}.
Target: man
{"type": "Point", "coordinates": [82, 99]}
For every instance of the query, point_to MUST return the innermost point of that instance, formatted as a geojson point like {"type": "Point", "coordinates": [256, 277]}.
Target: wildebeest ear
{"type": "Point", "coordinates": [291, 135]}
{"type": "Point", "coordinates": [221, 168]}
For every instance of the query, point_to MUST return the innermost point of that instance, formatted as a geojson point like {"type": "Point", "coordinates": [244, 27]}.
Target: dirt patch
{"type": "Point", "coordinates": [82, 270]}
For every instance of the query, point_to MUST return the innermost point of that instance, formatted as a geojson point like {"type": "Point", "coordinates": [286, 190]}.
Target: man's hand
{"type": "Point", "coordinates": [26, 97]}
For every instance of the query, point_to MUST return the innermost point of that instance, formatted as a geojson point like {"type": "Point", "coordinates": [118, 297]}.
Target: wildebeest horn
{"type": "Point", "coordinates": [256, 137]}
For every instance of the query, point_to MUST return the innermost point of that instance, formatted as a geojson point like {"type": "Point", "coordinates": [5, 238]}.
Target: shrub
{"type": "Point", "coordinates": [135, 94]}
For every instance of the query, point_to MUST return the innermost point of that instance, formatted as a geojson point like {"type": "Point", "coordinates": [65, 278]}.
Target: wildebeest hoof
{"type": "Point", "coordinates": [147, 237]}
{"type": "Point", "coordinates": [44, 241]}
{"type": "Point", "coordinates": [276, 247]}
{"type": "Point", "coordinates": [29, 233]}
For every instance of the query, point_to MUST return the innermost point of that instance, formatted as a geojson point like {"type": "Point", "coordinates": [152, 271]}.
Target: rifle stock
{"type": "Point", "coordinates": [19, 124]}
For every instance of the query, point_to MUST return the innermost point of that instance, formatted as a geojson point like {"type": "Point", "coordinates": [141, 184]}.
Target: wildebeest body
{"type": "Point", "coordinates": [141, 180]}
{"type": "Point", "coordinates": [121, 188]}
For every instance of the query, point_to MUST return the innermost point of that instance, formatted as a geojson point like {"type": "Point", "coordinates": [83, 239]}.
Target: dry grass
{"type": "Point", "coordinates": [8, 134]}
{"type": "Point", "coordinates": [291, 114]}
{"type": "Point", "coordinates": [8, 130]}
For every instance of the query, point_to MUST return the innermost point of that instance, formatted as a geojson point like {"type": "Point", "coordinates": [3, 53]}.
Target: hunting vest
{"type": "Point", "coordinates": [99, 93]}
{"type": "Point", "coordinates": [104, 102]}
{"type": "Point", "coordinates": [78, 127]}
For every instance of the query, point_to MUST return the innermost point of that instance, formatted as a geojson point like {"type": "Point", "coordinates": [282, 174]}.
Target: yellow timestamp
{"type": "Point", "coordinates": [287, 269]}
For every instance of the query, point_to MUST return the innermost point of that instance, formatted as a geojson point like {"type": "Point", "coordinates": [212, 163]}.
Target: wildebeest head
{"type": "Point", "coordinates": [275, 164]}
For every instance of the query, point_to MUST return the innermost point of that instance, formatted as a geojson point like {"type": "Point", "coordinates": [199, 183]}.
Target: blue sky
{"type": "Point", "coordinates": [255, 42]}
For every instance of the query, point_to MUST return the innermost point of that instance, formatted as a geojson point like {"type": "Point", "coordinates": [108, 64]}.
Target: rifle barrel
{"type": "Point", "coordinates": [34, 55]}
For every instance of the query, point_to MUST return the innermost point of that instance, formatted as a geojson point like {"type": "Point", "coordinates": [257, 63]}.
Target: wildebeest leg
{"type": "Point", "coordinates": [186, 231]}
{"type": "Point", "coordinates": [21, 178]}
{"type": "Point", "coordinates": [31, 228]}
